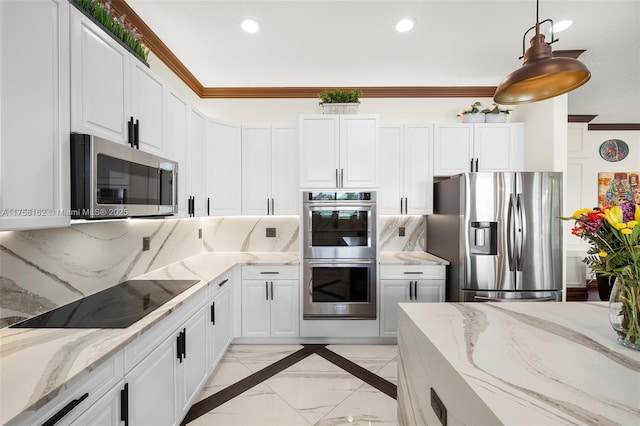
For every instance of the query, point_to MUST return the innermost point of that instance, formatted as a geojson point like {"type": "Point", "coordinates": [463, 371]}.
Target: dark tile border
{"type": "Point", "coordinates": [202, 407]}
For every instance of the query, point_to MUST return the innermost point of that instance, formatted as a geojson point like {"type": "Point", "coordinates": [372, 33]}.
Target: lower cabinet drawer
{"type": "Point", "coordinates": [270, 272]}
{"type": "Point", "coordinates": [412, 272]}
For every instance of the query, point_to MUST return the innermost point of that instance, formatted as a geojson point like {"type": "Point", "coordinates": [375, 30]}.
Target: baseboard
{"type": "Point", "coordinates": [577, 294]}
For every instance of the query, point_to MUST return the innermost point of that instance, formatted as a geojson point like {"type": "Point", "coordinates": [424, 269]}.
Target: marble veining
{"type": "Point", "coordinates": [519, 363]}
{"type": "Point", "coordinates": [248, 234]}
{"type": "Point", "coordinates": [409, 258]}
{"type": "Point", "coordinates": [415, 233]}
{"type": "Point", "coordinates": [38, 363]}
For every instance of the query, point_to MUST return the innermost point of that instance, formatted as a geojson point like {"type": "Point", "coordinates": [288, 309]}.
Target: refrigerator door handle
{"type": "Point", "coordinates": [511, 233]}
{"type": "Point", "coordinates": [521, 232]}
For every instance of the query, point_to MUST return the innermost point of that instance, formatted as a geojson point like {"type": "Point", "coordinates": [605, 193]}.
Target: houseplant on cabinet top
{"type": "Point", "coordinates": [340, 101]}
{"type": "Point", "coordinates": [474, 114]}
{"type": "Point", "coordinates": [495, 114]}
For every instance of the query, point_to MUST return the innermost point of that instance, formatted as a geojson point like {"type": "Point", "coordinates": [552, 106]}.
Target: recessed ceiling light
{"type": "Point", "coordinates": [405, 25]}
{"type": "Point", "coordinates": [562, 25]}
{"type": "Point", "coordinates": [250, 26]}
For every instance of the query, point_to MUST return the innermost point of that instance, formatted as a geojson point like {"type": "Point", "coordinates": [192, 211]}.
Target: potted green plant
{"type": "Point", "coordinates": [340, 101]}
{"type": "Point", "coordinates": [474, 114]}
{"type": "Point", "coordinates": [496, 114]}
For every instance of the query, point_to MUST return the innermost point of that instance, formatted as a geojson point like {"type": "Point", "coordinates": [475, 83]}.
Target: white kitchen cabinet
{"type": "Point", "coordinates": [339, 151]}
{"type": "Point", "coordinates": [486, 147]}
{"type": "Point", "coordinates": [196, 203]}
{"type": "Point", "coordinates": [111, 88]}
{"type": "Point", "coordinates": [152, 387]}
{"type": "Point", "coordinates": [223, 168]}
{"type": "Point", "coordinates": [220, 328]}
{"type": "Point", "coordinates": [193, 368]}
{"type": "Point", "coordinates": [34, 114]}
{"type": "Point", "coordinates": [270, 305]}
{"type": "Point", "coordinates": [147, 107]}
{"type": "Point", "coordinates": [269, 170]}
{"type": "Point", "coordinates": [407, 284]}
{"type": "Point", "coordinates": [176, 146]}
{"type": "Point", "coordinates": [406, 180]}
{"type": "Point", "coordinates": [106, 411]}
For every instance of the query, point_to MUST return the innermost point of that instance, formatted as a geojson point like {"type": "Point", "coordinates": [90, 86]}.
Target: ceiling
{"type": "Point", "coordinates": [352, 43]}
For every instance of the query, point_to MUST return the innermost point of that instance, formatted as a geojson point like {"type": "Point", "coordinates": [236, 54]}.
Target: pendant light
{"type": "Point", "coordinates": [542, 75]}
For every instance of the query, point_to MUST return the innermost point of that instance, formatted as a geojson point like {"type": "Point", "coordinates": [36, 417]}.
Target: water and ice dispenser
{"type": "Point", "coordinates": [483, 238]}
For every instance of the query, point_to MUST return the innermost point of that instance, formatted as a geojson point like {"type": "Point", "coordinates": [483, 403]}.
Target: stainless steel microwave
{"type": "Point", "coordinates": [112, 180]}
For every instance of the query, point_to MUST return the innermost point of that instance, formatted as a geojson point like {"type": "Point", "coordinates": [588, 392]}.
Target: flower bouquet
{"type": "Point", "coordinates": [614, 236]}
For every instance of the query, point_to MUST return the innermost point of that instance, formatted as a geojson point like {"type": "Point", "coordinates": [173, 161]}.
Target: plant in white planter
{"type": "Point", "coordinates": [474, 114]}
{"type": "Point", "coordinates": [340, 101]}
{"type": "Point", "coordinates": [496, 114]}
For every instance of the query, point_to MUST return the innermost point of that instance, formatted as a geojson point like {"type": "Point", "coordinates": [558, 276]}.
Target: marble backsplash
{"type": "Point", "coordinates": [43, 269]}
{"type": "Point", "coordinates": [415, 238]}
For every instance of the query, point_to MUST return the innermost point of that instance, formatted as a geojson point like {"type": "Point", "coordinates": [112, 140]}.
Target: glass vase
{"type": "Point", "coordinates": [624, 313]}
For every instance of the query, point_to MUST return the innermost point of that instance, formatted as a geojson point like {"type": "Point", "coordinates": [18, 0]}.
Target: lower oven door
{"type": "Point", "coordinates": [340, 289]}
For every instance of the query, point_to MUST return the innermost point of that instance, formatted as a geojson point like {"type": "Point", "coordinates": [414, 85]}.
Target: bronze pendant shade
{"type": "Point", "coordinates": [542, 75]}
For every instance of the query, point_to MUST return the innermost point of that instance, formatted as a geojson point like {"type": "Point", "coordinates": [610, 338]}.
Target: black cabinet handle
{"type": "Point", "coordinates": [124, 404]}
{"type": "Point", "coordinates": [213, 313]}
{"type": "Point", "coordinates": [266, 289]}
{"type": "Point", "coordinates": [271, 290]}
{"type": "Point", "coordinates": [130, 132]}
{"type": "Point", "coordinates": [268, 210]}
{"type": "Point", "coordinates": [65, 410]}
{"type": "Point", "coordinates": [415, 290]}
{"type": "Point", "coordinates": [471, 168]}
{"type": "Point", "coordinates": [223, 282]}
{"type": "Point", "coordinates": [406, 210]}
{"type": "Point", "coordinates": [410, 290]}
{"type": "Point", "coordinates": [400, 205]}
{"type": "Point", "coordinates": [273, 209]}
{"type": "Point", "coordinates": [476, 164]}
{"type": "Point", "coordinates": [184, 343]}
{"type": "Point", "coordinates": [269, 272]}
{"type": "Point", "coordinates": [179, 347]}
{"type": "Point", "coordinates": [208, 203]}
{"type": "Point", "coordinates": [136, 134]}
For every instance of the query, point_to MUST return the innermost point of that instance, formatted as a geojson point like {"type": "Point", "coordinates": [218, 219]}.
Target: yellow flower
{"type": "Point", "coordinates": [613, 215]}
{"type": "Point", "coordinates": [637, 213]}
{"type": "Point", "coordinates": [602, 254]}
{"type": "Point", "coordinates": [620, 225]}
{"type": "Point", "coordinates": [585, 212]}
{"type": "Point", "coordinates": [632, 224]}
{"type": "Point", "coordinates": [626, 231]}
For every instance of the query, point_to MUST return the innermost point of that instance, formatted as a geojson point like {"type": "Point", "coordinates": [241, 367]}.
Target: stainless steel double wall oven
{"type": "Point", "coordinates": [339, 255]}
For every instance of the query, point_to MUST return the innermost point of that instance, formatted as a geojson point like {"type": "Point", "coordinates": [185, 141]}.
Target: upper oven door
{"type": "Point", "coordinates": [339, 230]}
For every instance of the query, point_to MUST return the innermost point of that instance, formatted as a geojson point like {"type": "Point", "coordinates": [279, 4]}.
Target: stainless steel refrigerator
{"type": "Point", "coordinates": [502, 234]}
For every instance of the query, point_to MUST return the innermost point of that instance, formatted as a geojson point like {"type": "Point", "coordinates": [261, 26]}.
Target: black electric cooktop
{"type": "Point", "coordinates": [116, 307]}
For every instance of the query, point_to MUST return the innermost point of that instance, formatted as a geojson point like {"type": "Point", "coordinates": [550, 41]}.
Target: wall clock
{"type": "Point", "coordinates": [613, 150]}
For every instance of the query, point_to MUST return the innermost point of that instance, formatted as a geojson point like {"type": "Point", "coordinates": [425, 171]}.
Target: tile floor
{"type": "Point", "coordinates": [312, 391]}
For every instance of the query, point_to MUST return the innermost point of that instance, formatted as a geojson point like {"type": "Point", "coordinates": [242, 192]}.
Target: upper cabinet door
{"type": "Point", "coordinates": [319, 151]}
{"type": "Point", "coordinates": [196, 156]}
{"type": "Point", "coordinates": [256, 170]}
{"type": "Point", "coordinates": [418, 169]}
{"type": "Point", "coordinates": [223, 168]}
{"type": "Point", "coordinates": [499, 147]}
{"type": "Point", "coordinates": [99, 81]}
{"type": "Point", "coordinates": [176, 146]}
{"type": "Point", "coordinates": [284, 170]}
{"type": "Point", "coordinates": [359, 151]}
{"type": "Point", "coordinates": [452, 149]}
{"type": "Point", "coordinates": [34, 117]}
{"type": "Point", "coordinates": [391, 193]}
{"type": "Point", "coordinates": [147, 107]}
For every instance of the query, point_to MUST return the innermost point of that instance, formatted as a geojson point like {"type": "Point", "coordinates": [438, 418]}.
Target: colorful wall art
{"type": "Point", "coordinates": [618, 187]}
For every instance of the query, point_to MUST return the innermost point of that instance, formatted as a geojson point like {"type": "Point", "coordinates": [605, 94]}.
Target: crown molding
{"type": "Point", "coordinates": [580, 118]}
{"type": "Point", "coordinates": [614, 126]}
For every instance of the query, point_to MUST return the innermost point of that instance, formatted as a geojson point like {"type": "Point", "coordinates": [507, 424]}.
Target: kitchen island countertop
{"type": "Point", "coordinates": [515, 363]}
{"type": "Point", "coordinates": [36, 364]}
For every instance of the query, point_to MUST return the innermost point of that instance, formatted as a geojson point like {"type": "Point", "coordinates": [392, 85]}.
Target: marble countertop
{"type": "Point", "coordinates": [35, 364]}
{"type": "Point", "coordinates": [527, 363]}
{"type": "Point", "coordinates": [409, 258]}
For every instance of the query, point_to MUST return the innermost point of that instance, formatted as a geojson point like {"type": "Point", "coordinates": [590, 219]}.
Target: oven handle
{"type": "Point", "coordinates": [333, 205]}
{"type": "Point", "coordinates": [341, 262]}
